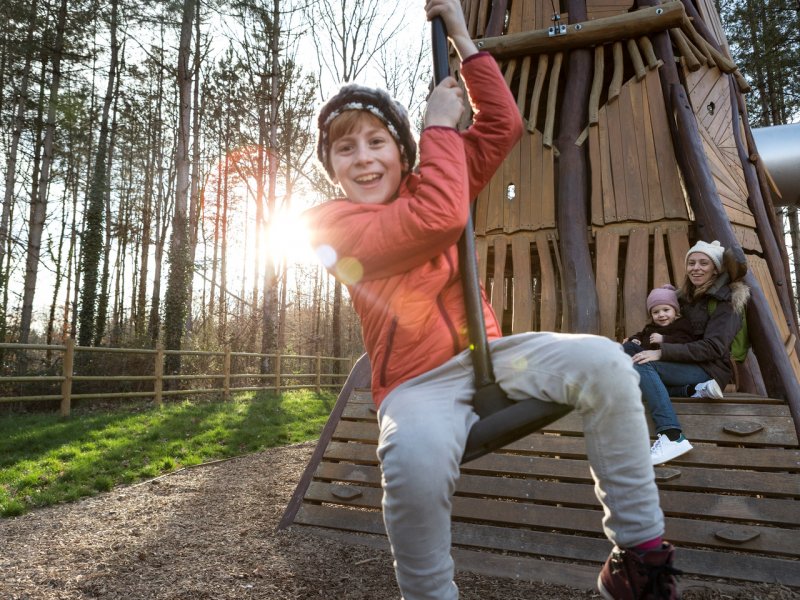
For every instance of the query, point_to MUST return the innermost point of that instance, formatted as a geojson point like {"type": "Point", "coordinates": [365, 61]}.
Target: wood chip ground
{"type": "Point", "coordinates": [210, 533]}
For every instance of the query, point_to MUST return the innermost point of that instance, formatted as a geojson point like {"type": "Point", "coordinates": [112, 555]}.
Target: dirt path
{"type": "Point", "coordinates": [209, 533]}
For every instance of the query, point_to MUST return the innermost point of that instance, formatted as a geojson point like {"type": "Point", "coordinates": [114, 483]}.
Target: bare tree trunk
{"type": "Point", "coordinates": [19, 123]}
{"type": "Point", "coordinates": [154, 161]}
{"type": "Point", "coordinates": [317, 311]}
{"type": "Point", "coordinates": [102, 303]}
{"type": "Point", "coordinates": [223, 263]}
{"type": "Point", "coordinates": [160, 237]}
{"type": "Point", "coordinates": [270, 291]}
{"type": "Point", "coordinates": [177, 286]}
{"type": "Point", "coordinates": [794, 236]}
{"type": "Point", "coordinates": [194, 196]}
{"type": "Point", "coordinates": [92, 242]}
{"type": "Point", "coordinates": [282, 308]}
{"type": "Point", "coordinates": [65, 326]}
{"type": "Point", "coordinates": [58, 273]}
{"type": "Point", "coordinates": [336, 323]}
{"type": "Point", "coordinates": [4, 308]}
{"type": "Point", "coordinates": [215, 241]}
{"type": "Point", "coordinates": [761, 79]}
{"type": "Point", "coordinates": [39, 202]}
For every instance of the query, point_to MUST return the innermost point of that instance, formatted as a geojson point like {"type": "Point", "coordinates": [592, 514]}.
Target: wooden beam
{"type": "Point", "coordinates": [581, 311]}
{"type": "Point", "coordinates": [587, 33]}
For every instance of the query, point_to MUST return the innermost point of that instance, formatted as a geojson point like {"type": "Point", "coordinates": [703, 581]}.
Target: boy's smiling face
{"type": "Point", "coordinates": [366, 162]}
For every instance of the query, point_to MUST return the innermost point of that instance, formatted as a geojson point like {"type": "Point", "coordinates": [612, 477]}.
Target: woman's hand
{"type": "Point", "coordinates": [656, 338]}
{"type": "Point", "coordinates": [445, 104]}
{"type": "Point", "coordinates": [646, 356]}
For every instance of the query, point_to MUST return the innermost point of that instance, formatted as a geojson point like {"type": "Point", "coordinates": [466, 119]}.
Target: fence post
{"type": "Point", "coordinates": [319, 373]}
{"type": "Point", "coordinates": [158, 384]}
{"type": "Point", "coordinates": [226, 371]}
{"type": "Point", "coordinates": [278, 373]}
{"type": "Point", "coordinates": [66, 384]}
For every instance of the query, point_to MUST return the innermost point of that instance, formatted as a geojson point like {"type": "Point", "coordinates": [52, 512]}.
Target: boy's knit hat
{"type": "Point", "coordinates": [714, 251]}
{"type": "Point", "coordinates": [377, 102]}
{"type": "Point", "coordinates": [663, 295]}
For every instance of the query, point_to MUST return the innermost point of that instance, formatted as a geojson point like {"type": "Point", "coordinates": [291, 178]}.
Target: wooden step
{"type": "Point", "coordinates": [732, 505]}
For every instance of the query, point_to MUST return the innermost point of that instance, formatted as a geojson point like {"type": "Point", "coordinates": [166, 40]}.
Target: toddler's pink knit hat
{"type": "Point", "coordinates": [663, 295]}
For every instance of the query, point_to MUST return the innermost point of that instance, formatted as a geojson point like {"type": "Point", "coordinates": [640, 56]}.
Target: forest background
{"type": "Point", "coordinates": [157, 156]}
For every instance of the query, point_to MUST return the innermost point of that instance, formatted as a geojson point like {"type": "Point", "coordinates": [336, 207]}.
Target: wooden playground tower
{"type": "Point", "coordinates": [637, 145]}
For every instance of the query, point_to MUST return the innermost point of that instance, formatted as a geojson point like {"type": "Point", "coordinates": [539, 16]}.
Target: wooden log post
{"type": "Point", "coordinates": [158, 382]}
{"type": "Point", "coordinates": [497, 18]}
{"type": "Point", "coordinates": [788, 302]}
{"type": "Point", "coordinates": [768, 229]}
{"type": "Point", "coordinates": [597, 85]}
{"type": "Point", "coordinates": [686, 51]}
{"type": "Point", "coordinates": [699, 24]}
{"type": "Point", "coordinates": [66, 372]}
{"type": "Point", "coordinates": [536, 97]}
{"type": "Point", "coordinates": [616, 79]}
{"type": "Point", "coordinates": [649, 54]}
{"type": "Point", "coordinates": [552, 100]}
{"type": "Point", "coordinates": [581, 313]}
{"type": "Point", "coordinates": [713, 223]}
{"type": "Point", "coordinates": [584, 34]}
{"type": "Point", "coordinates": [636, 59]}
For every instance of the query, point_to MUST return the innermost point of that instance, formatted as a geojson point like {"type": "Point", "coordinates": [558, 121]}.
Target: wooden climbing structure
{"type": "Point", "coordinates": [637, 144]}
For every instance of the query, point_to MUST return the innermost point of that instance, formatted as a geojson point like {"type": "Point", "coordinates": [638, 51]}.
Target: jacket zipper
{"type": "Point", "coordinates": [445, 316]}
{"type": "Point", "coordinates": [389, 343]}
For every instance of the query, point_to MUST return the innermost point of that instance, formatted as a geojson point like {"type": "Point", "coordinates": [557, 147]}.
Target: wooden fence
{"type": "Point", "coordinates": [225, 377]}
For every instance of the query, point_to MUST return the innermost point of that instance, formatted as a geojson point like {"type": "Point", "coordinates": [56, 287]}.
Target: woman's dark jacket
{"type": "Point", "coordinates": [715, 332]}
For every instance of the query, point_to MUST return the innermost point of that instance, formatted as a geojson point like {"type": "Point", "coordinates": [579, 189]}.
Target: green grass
{"type": "Point", "coordinates": [46, 459]}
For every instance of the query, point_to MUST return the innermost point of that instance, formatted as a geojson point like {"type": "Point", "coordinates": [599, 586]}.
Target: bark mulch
{"type": "Point", "coordinates": [209, 533]}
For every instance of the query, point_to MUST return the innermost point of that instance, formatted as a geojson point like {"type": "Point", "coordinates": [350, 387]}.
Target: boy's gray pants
{"type": "Point", "coordinates": [424, 424]}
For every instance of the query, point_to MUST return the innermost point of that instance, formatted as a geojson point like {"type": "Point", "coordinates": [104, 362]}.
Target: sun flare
{"type": "Point", "coordinates": [288, 239]}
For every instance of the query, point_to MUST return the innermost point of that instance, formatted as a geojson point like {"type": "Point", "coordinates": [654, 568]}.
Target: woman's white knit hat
{"type": "Point", "coordinates": [714, 251]}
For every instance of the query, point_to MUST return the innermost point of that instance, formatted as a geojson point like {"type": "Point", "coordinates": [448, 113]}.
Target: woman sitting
{"type": "Point", "coordinates": [702, 367]}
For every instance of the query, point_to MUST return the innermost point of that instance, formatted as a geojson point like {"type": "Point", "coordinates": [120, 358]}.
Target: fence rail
{"type": "Point", "coordinates": [280, 380]}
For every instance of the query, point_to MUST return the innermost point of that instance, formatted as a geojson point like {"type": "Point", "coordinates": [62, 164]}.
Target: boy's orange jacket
{"type": "Point", "coordinates": [399, 260]}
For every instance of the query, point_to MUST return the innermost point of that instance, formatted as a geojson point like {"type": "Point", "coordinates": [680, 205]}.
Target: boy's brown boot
{"type": "Point", "coordinates": [628, 575]}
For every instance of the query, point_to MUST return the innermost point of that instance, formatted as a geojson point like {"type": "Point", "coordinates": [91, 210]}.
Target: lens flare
{"type": "Point", "coordinates": [349, 270]}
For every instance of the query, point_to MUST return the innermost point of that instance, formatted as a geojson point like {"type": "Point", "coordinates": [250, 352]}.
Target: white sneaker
{"type": "Point", "coordinates": [664, 449]}
{"type": "Point", "coordinates": [707, 389]}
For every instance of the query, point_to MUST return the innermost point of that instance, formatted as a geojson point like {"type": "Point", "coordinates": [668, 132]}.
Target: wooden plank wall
{"type": "Point", "coordinates": [522, 275]}
{"type": "Point", "coordinates": [709, 93]}
{"type": "Point", "coordinates": [631, 259]}
{"type": "Point", "coordinates": [634, 173]}
{"type": "Point", "coordinates": [521, 194]}
{"type": "Point", "coordinates": [760, 269]}
{"type": "Point", "coordinates": [732, 505]}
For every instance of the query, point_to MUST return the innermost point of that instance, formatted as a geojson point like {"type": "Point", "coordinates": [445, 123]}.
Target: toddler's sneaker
{"type": "Point", "coordinates": [664, 449]}
{"type": "Point", "coordinates": [707, 389]}
{"type": "Point", "coordinates": [627, 575]}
